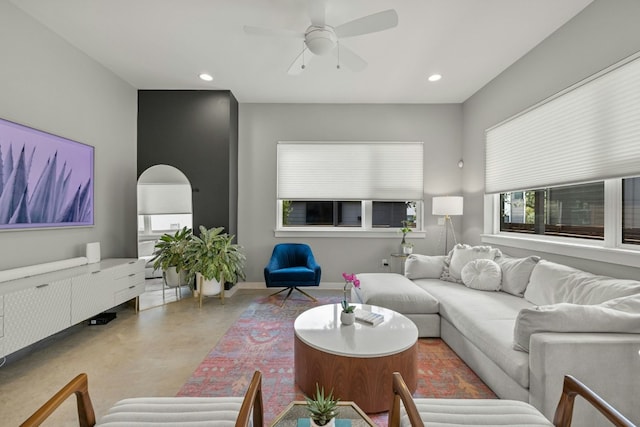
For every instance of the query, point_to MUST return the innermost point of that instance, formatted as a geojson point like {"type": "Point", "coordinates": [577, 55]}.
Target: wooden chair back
{"type": "Point", "coordinates": [564, 411]}
{"type": "Point", "coordinates": [78, 386]}
{"type": "Point", "coordinates": [252, 404]}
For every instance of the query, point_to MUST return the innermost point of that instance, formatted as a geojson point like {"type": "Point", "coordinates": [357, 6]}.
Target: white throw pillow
{"type": "Point", "coordinates": [552, 283]}
{"type": "Point", "coordinates": [460, 255]}
{"type": "Point", "coordinates": [482, 274]}
{"type": "Point", "coordinates": [423, 267]}
{"type": "Point", "coordinates": [620, 315]}
{"type": "Point", "coordinates": [546, 282]}
{"type": "Point", "coordinates": [516, 273]}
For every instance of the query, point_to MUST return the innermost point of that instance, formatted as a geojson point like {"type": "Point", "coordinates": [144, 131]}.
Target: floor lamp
{"type": "Point", "coordinates": [447, 206]}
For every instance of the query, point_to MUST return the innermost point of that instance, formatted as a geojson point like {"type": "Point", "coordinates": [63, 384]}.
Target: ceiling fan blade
{"type": "Point", "coordinates": [258, 31]}
{"type": "Point", "coordinates": [349, 58]}
{"type": "Point", "coordinates": [368, 24]}
{"type": "Point", "coordinates": [317, 12]}
{"type": "Point", "coordinates": [300, 63]}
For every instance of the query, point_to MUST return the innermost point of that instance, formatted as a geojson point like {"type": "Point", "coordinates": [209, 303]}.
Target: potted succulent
{"type": "Point", "coordinates": [322, 409]}
{"type": "Point", "coordinates": [213, 259]}
{"type": "Point", "coordinates": [169, 255]}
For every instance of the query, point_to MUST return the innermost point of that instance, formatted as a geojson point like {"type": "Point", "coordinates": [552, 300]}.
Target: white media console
{"type": "Point", "coordinates": [38, 306]}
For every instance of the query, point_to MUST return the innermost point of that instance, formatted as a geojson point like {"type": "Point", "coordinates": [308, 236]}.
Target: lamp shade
{"type": "Point", "coordinates": [447, 205]}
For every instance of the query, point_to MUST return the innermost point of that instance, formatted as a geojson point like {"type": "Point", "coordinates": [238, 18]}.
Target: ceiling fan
{"type": "Point", "coordinates": [321, 39]}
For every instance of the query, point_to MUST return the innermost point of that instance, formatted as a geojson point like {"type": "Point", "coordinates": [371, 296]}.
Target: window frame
{"type": "Point", "coordinates": [610, 250]}
{"type": "Point", "coordinates": [366, 228]}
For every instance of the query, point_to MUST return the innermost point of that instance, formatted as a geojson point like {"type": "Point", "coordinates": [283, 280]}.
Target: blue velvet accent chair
{"type": "Point", "coordinates": [291, 266]}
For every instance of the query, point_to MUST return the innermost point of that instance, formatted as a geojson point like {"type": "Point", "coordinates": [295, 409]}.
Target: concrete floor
{"type": "Point", "coordinates": [151, 353]}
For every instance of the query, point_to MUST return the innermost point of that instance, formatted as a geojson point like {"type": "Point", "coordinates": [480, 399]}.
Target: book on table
{"type": "Point", "coordinates": [368, 317]}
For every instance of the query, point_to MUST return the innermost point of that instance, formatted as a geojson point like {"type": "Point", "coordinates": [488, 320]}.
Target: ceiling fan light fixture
{"type": "Point", "coordinates": [320, 40]}
{"type": "Point", "coordinates": [434, 77]}
{"type": "Point", "coordinates": [206, 77]}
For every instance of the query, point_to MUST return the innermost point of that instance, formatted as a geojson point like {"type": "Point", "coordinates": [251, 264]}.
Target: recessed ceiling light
{"type": "Point", "coordinates": [434, 77]}
{"type": "Point", "coordinates": [206, 77]}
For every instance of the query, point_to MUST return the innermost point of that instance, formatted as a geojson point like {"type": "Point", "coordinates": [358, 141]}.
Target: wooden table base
{"type": "Point", "coordinates": [364, 380]}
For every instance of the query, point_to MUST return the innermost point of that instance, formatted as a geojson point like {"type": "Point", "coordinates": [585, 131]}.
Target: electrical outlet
{"type": "Point", "coordinates": [385, 262]}
{"type": "Point", "coordinates": [441, 221]}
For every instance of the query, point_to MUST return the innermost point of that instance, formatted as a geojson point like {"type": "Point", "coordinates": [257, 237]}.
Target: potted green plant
{"type": "Point", "coordinates": [213, 259]}
{"type": "Point", "coordinates": [322, 409]}
{"type": "Point", "coordinates": [407, 248]}
{"type": "Point", "coordinates": [169, 255]}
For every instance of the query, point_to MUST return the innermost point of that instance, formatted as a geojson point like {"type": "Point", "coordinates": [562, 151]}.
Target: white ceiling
{"type": "Point", "coordinates": [165, 44]}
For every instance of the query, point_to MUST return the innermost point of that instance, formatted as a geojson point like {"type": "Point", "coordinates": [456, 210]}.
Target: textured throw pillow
{"type": "Point", "coordinates": [620, 315]}
{"type": "Point", "coordinates": [547, 282]}
{"type": "Point", "coordinates": [423, 266]}
{"type": "Point", "coordinates": [460, 255]}
{"type": "Point", "coordinates": [482, 274]}
{"type": "Point", "coordinates": [516, 273]}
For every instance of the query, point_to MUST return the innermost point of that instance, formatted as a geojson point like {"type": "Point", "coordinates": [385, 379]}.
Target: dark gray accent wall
{"type": "Point", "coordinates": [197, 132]}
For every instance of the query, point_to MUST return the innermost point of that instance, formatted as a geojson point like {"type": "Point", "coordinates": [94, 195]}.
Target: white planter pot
{"type": "Point", "coordinates": [347, 318]}
{"type": "Point", "coordinates": [407, 250]}
{"type": "Point", "coordinates": [208, 287]}
{"type": "Point", "coordinates": [331, 423]}
{"type": "Point", "coordinates": [175, 279]}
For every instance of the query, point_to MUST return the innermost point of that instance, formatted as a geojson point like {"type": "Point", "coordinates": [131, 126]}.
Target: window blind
{"type": "Point", "coordinates": [589, 132]}
{"type": "Point", "coordinates": [350, 170]}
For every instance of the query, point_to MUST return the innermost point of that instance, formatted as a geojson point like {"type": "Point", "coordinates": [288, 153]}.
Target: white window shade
{"type": "Point", "coordinates": [586, 133]}
{"type": "Point", "coordinates": [158, 199]}
{"type": "Point", "coordinates": [350, 170]}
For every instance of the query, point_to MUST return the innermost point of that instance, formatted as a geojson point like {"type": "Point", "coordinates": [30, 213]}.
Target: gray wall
{"type": "Point", "coordinates": [47, 84]}
{"type": "Point", "coordinates": [263, 125]}
{"type": "Point", "coordinates": [604, 33]}
{"type": "Point", "coordinates": [196, 132]}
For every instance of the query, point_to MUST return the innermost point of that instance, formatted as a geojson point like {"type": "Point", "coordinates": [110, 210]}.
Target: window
{"type": "Point", "coordinates": [303, 213]}
{"type": "Point", "coordinates": [160, 224]}
{"type": "Point", "coordinates": [631, 211]}
{"type": "Point", "coordinates": [394, 214]}
{"type": "Point", "coordinates": [353, 186]}
{"type": "Point", "coordinates": [569, 211]}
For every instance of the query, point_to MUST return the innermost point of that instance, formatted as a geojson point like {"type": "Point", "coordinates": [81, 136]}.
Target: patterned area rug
{"type": "Point", "coordinates": [262, 339]}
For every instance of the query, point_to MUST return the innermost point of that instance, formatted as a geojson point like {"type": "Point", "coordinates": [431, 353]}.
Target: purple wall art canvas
{"type": "Point", "coordinates": [45, 180]}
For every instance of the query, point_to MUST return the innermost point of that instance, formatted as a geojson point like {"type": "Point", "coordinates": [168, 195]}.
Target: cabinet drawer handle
{"type": "Point", "coordinates": [95, 272]}
{"type": "Point", "coordinates": [131, 287]}
{"type": "Point", "coordinates": [42, 286]}
{"type": "Point", "coordinates": [132, 274]}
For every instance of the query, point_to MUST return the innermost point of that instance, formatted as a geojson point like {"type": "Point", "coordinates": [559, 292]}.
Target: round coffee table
{"type": "Point", "coordinates": [356, 361]}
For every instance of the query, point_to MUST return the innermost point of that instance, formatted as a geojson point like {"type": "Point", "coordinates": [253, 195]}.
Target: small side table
{"type": "Point", "coordinates": [298, 409]}
{"type": "Point", "coordinates": [399, 258]}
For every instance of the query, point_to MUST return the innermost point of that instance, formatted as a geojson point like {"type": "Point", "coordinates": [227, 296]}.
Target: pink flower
{"type": "Point", "coordinates": [356, 283]}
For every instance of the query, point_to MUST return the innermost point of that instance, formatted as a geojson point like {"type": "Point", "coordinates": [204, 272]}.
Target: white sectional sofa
{"type": "Point", "coordinates": [523, 323]}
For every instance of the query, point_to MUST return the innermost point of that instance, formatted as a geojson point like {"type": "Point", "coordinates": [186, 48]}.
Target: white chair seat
{"type": "Point", "coordinates": [173, 411]}
{"type": "Point", "coordinates": [475, 412]}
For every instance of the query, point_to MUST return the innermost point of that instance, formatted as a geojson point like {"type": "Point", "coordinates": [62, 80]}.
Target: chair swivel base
{"type": "Point", "coordinates": [291, 288]}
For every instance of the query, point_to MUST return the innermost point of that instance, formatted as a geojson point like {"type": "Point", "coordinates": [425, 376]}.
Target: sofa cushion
{"type": "Point", "coordinates": [516, 273]}
{"type": "Point", "coordinates": [423, 267]}
{"type": "Point", "coordinates": [620, 315]}
{"type": "Point", "coordinates": [475, 412]}
{"type": "Point", "coordinates": [395, 292]}
{"type": "Point", "coordinates": [482, 274]}
{"type": "Point", "coordinates": [460, 255]}
{"type": "Point", "coordinates": [486, 319]}
{"type": "Point", "coordinates": [183, 411]}
{"type": "Point", "coordinates": [552, 283]}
